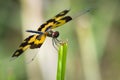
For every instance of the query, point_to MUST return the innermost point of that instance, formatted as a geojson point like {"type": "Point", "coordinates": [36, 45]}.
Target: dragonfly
{"type": "Point", "coordinates": [45, 30]}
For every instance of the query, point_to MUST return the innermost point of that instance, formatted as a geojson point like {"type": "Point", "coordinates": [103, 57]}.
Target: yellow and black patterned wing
{"type": "Point", "coordinates": [56, 21]}
{"type": "Point", "coordinates": [61, 21]}
{"type": "Point", "coordinates": [32, 42]}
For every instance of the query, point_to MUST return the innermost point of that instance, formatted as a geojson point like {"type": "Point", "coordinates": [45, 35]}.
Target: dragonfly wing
{"type": "Point", "coordinates": [32, 42]}
{"type": "Point", "coordinates": [49, 24]}
{"type": "Point", "coordinates": [38, 41]}
{"type": "Point", "coordinates": [62, 21]}
{"type": "Point", "coordinates": [61, 15]}
{"type": "Point", "coordinates": [23, 46]}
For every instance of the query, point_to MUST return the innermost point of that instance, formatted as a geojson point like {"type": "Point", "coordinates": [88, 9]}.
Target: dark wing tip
{"type": "Point", "coordinates": [67, 18]}
{"type": "Point", "coordinates": [16, 54]}
{"type": "Point", "coordinates": [62, 13]}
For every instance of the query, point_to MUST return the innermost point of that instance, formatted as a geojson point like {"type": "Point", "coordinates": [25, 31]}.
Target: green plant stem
{"type": "Point", "coordinates": [61, 62]}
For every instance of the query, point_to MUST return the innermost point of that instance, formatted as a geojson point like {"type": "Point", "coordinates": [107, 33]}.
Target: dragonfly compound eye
{"type": "Point", "coordinates": [55, 34]}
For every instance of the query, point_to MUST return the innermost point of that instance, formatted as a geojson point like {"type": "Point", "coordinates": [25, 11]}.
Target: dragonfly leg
{"type": "Point", "coordinates": [56, 43]}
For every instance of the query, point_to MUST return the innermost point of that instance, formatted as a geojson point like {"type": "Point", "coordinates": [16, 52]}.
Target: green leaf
{"type": "Point", "coordinates": [62, 54]}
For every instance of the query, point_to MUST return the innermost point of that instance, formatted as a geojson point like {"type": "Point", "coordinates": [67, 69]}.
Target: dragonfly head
{"type": "Point", "coordinates": [55, 34]}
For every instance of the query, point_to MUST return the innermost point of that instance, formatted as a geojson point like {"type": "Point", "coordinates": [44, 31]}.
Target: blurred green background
{"type": "Point", "coordinates": [94, 41]}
